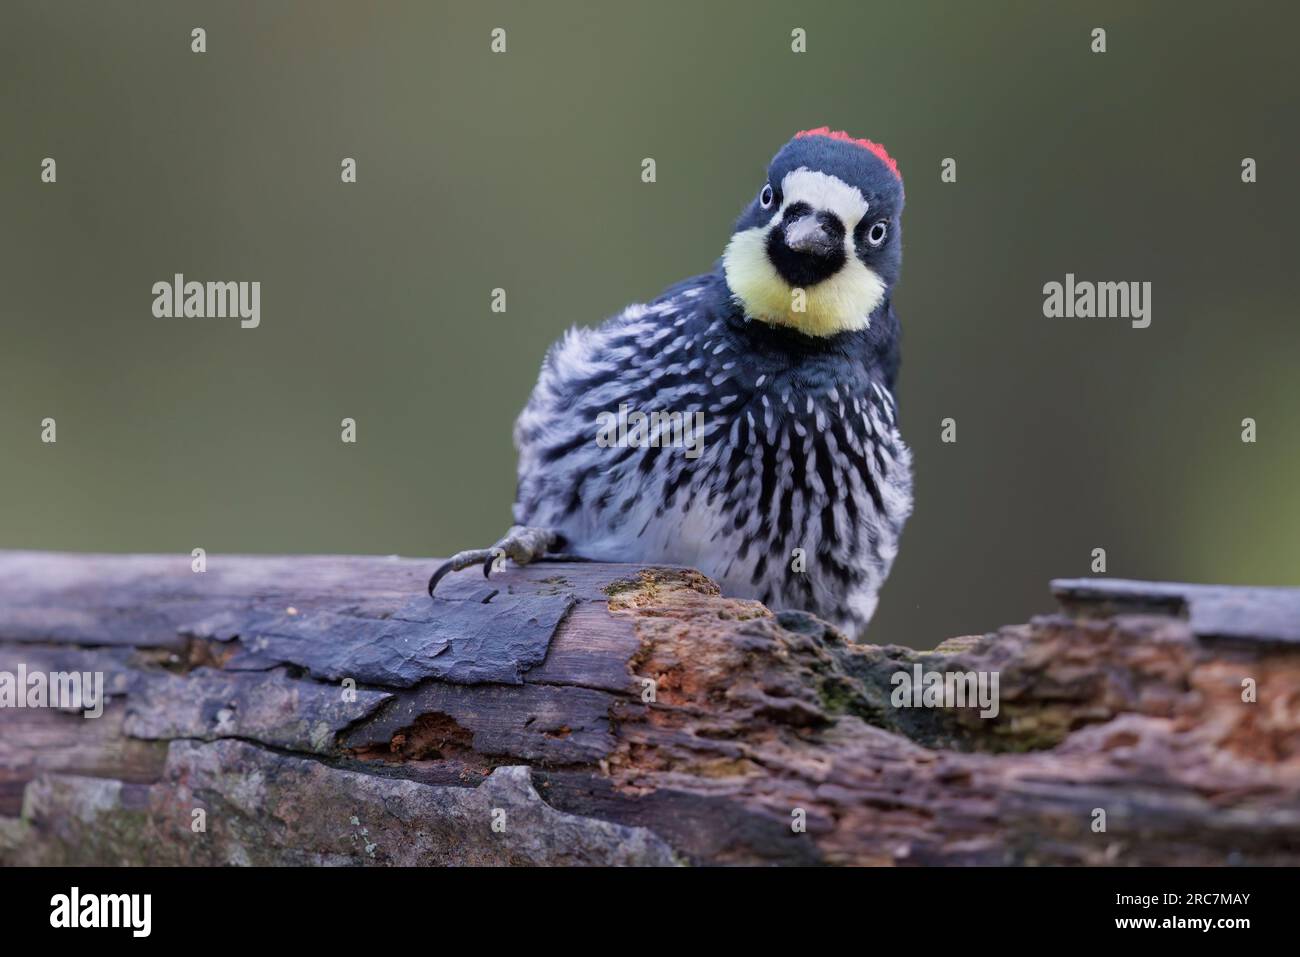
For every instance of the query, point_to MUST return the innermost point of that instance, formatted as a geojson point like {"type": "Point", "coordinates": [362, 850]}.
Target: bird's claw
{"type": "Point", "coordinates": [522, 544]}
{"type": "Point", "coordinates": [457, 562]}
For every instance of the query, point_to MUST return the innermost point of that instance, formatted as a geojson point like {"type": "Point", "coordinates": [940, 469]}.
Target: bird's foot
{"type": "Point", "coordinates": [521, 544]}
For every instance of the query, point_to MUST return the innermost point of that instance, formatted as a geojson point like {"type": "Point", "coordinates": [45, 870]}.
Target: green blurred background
{"type": "Point", "coordinates": [522, 171]}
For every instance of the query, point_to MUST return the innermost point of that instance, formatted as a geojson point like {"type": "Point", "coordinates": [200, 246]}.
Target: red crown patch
{"type": "Point", "coordinates": [876, 148]}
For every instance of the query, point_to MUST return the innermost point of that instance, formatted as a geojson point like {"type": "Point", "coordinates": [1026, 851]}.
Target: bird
{"type": "Point", "coordinates": [744, 422]}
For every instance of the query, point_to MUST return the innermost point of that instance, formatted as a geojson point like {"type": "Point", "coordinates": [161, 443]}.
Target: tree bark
{"type": "Point", "coordinates": [324, 710]}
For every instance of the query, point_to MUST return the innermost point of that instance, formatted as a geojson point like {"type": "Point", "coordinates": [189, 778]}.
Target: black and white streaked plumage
{"type": "Point", "coordinates": [800, 482]}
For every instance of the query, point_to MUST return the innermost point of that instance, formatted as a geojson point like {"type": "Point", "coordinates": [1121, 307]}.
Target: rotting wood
{"type": "Point", "coordinates": [520, 701]}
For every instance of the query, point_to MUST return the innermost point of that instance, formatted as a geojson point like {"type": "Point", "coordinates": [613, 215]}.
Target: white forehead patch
{"type": "Point", "coordinates": [822, 191]}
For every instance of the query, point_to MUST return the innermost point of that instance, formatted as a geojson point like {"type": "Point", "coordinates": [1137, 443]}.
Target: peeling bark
{"type": "Point", "coordinates": [322, 710]}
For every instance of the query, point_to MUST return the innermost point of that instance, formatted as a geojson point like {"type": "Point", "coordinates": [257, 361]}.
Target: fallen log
{"type": "Point", "coordinates": [323, 710]}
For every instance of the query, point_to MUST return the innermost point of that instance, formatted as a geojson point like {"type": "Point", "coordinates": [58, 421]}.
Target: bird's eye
{"type": "Point", "coordinates": [876, 235]}
{"type": "Point", "coordinates": [765, 197]}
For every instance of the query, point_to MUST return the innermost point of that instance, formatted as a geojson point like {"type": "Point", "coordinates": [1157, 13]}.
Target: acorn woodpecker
{"type": "Point", "coordinates": [743, 423]}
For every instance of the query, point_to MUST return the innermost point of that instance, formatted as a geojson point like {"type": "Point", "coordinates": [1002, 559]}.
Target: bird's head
{"type": "Point", "coordinates": [818, 248]}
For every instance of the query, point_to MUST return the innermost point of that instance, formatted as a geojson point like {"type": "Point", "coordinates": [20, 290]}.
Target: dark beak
{"type": "Point", "coordinates": [807, 235]}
